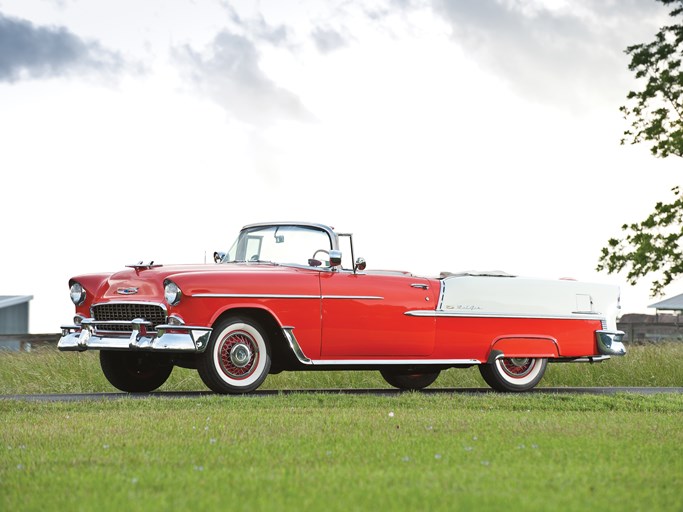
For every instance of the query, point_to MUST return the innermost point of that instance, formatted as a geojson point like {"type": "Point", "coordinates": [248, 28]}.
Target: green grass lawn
{"type": "Point", "coordinates": [345, 452]}
{"type": "Point", "coordinates": [45, 370]}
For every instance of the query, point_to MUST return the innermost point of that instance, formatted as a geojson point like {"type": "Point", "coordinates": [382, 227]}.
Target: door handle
{"type": "Point", "coordinates": [420, 285]}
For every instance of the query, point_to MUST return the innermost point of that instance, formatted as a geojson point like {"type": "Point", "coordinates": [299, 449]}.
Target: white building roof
{"type": "Point", "coordinates": [671, 304]}
{"type": "Point", "coordinates": [11, 300]}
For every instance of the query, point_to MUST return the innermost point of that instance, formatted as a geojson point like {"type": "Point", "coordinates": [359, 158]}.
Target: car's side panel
{"type": "Point", "coordinates": [459, 337]}
{"type": "Point", "coordinates": [291, 297]}
{"type": "Point", "coordinates": [364, 315]}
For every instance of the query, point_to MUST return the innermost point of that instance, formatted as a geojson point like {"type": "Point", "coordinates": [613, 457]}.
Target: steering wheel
{"type": "Point", "coordinates": [321, 250]}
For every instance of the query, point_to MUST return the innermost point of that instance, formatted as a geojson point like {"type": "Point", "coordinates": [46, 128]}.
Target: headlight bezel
{"type": "Point", "coordinates": [77, 293]}
{"type": "Point", "coordinates": [172, 292]}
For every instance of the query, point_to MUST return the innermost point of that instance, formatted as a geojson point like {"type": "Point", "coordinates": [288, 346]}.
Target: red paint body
{"type": "Point", "coordinates": [346, 315]}
{"type": "Point", "coordinates": [284, 297]}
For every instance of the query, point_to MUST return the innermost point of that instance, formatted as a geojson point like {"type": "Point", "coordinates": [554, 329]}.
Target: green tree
{"type": "Point", "coordinates": [655, 114]}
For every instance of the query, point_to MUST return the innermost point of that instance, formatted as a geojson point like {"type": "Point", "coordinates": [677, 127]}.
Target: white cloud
{"type": "Point", "coordinates": [445, 136]}
{"type": "Point", "coordinates": [554, 52]}
{"type": "Point", "coordinates": [30, 51]}
{"type": "Point", "coordinates": [228, 72]}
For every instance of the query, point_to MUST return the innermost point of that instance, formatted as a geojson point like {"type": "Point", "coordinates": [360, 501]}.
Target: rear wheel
{"type": "Point", "coordinates": [405, 379]}
{"type": "Point", "coordinates": [135, 372]}
{"type": "Point", "coordinates": [237, 359]}
{"type": "Point", "coordinates": [514, 373]}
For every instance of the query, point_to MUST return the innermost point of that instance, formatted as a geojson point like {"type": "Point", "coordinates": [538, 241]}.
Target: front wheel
{"type": "Point", "coordinates": [135, 372]}
{"type": "Point", "coordinates": [403, 379]}
{"type": "Point", "coordinates": [237, 359]}
{"type": "Point", "coordinates": [514, 373]}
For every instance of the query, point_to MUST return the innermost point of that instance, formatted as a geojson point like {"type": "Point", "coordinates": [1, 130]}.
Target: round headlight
{"type": "Point", "coordinates": [172, 293]}
{"type": "Point", "coordinates": [77, 294]}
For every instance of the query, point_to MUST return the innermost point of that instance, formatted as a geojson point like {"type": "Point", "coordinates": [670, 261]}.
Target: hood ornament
{"type": "Point", "coordinates": [141, 265]}
{"type": "Point", "coordinates": [127, 291]}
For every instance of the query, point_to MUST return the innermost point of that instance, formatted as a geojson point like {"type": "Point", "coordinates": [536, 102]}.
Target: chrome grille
{"type": "Point", "coordinates": [127, 311]}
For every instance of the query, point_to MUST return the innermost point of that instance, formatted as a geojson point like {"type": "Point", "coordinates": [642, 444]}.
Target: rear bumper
{"type": "Point", "coordinates": [610, 343]}
{"type": "Point", "coordinates": [165, 338]}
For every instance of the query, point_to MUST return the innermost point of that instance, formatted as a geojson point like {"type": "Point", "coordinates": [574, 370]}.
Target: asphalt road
{"type": "Point", "coordinates": [81, 397]}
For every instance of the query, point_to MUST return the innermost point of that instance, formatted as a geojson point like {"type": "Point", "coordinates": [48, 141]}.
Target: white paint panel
{"type": "Point", "coordinates": [486, 295]}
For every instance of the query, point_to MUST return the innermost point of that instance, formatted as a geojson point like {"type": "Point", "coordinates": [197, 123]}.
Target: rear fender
{"type": "Point", "coordinates": [526, 345]}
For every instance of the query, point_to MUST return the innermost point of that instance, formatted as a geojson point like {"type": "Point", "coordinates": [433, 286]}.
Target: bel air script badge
{"type": "Point", "coordinates": [127, 291]}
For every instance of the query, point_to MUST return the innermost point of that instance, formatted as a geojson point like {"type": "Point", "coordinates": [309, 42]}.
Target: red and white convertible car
{"type": "Point", "coordinates": [291, 296]}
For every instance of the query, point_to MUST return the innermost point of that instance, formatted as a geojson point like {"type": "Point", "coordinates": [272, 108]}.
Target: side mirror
{"type": "Point", "coordinates": [218, 256]}
{"type": "Point", "coordinates": [335, 258]}
{"type": "Point", "coordinates": [360, 264]}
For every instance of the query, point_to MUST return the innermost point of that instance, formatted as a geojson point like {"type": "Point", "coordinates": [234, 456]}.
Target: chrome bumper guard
{"type": "Point", "coordinates": [183, 338]}
{"type": "Point", "coordinates": [610, 343]}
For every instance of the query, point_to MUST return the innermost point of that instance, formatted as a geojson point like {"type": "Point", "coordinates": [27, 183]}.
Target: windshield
{"type": "Point", "coordinates": [281, 244]}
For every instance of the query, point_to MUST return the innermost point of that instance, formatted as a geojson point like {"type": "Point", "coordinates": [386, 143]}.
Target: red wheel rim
{"type": "Point", "coordinates": [238, 355]}
{"type": "Point", "coordinates": [517, 367]}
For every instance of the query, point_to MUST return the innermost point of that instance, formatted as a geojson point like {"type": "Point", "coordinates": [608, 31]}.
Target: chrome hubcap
{"type": "Point", "coordinates": [240, 355]}
{"type": "Point", "coordinates": [517, 367]}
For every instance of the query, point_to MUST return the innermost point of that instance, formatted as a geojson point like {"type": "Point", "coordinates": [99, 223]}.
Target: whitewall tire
{"type": "Point", "coordinates": [514, 374]}
{"type": "Point", "coordinates": [237, 359]}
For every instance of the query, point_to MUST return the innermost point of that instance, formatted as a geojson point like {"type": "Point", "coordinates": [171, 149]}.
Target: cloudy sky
{"type": "Point", "coordinates": [445, 134]}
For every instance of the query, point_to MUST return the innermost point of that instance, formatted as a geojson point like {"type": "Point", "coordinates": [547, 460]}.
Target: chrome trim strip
{"type": "Point", "coordinates": [294, 345]}
{"type": "Point", "coordinates": [296, 349]}
{"type": "Point", "coordinates": [442, 294]}
{"type": "Point", "coordinates": [353, 297]}
{"type": "Point", "coordinates": [281, 296]}
{"type": "Point", "coordinates": [393, 362]}
{"type": "Point", "coordinates": [252, 296]}
{"type": "Point", "coordinates": [469, 314]}
{"type": "Point", "coordinates": [143, 302]}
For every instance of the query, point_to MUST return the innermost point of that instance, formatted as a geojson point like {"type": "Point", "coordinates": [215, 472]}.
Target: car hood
{"type": "Point", "coordinates": [147, 283]}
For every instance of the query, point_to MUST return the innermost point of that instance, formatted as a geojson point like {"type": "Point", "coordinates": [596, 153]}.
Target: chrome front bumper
{"type": "Point", "coordinates": [610, 343]}
{"type": "Point", "coordinates": [183, 338]}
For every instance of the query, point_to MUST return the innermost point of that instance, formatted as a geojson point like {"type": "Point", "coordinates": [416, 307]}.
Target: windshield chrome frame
{"type": "Point", "coordinates": [334, 239]}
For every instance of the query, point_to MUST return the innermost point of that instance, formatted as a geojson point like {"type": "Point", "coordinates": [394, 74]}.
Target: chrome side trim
{"type": "Point", "coordinates": [393, 362]}
{"type": "Point", "coordinates": [353, 297]}
{"type": "Point", "coordinates": [252, 296]}
{"type": "Point", "coordinates": [281, 296]}
{"type": "Point", "coordinates": [470, 314]}
{"type": "Point", "coordinates": [296, 349]}
{"type": "Point", "coordinates": [610, 342]}
{"type": "Point", "coordinates": [294, 345]}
